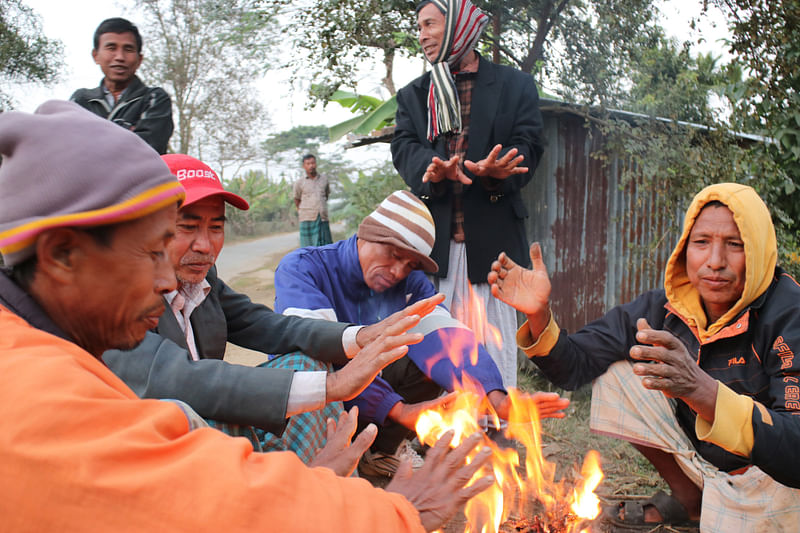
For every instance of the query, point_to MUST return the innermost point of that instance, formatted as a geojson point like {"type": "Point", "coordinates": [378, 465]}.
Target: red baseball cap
{"type": "Point", "coordinates": [200, 181]}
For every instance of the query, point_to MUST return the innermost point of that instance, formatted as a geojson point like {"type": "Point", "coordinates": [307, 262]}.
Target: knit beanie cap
{"type": "Point", "coordinates": [64, 166]}
{"type": "Point", "coordinates": [402, 220]}
{"type": "Point", "coordinates": [200, 181]}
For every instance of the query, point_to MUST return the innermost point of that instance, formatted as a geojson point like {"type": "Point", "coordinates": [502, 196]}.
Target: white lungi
{"type": "Point", "coordinates": [748, 503]}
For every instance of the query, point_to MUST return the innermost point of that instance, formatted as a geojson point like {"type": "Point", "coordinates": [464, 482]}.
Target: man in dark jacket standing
{"type": "Point", "coordinates": [121, 96]}
{"type": "Point", "coordinates": [467, 140]}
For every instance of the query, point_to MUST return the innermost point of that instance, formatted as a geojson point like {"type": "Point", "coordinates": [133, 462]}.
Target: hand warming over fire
{"type": "Point", "coordinates": [499, 168]}
{"type": "Point", "coordinates": [523, 289]}
{"type": "Point", "coordinates": [667, 366]}
{"type": "Point", "coordinates": [339, 454]}
{"type": "Point", "coordinates": [389, 346]}
{"type": "Point", "coordinates": [548, 404]}
{"type": "Point", "coordinates": [421, 308]}
{"type": "Point", "coordinates": [438, 489]}
{"type": "Point", "coordinates": [440, 170]}
{"type": "Point", "coordinates": [408, 413]}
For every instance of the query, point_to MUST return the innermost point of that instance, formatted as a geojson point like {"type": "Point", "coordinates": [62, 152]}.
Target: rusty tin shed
{"type": "Point", "coordinates": [596, 230]}
{"type": "Point", "coordinates": [593, 230]}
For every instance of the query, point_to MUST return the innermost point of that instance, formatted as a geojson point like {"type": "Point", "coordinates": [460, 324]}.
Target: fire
{"type": "Point", "coordinates": [487, 511]}
{"type": "Point", "coordinates": [484, 331]}
{"type": "Point", "coordinates": [566, 508]}
{"type": "Point", "coordinates": [586, 504]}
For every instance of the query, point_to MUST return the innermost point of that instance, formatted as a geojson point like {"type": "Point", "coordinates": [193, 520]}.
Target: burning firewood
{"type": "Point", "coordinates": [567, 505]}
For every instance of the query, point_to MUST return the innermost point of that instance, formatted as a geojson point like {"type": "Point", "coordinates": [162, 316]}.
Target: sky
{"type": "Point", "coordinates": [74, 27]}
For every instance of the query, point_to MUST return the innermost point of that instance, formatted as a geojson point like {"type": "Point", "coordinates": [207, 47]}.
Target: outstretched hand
{"type": "Point", "coordinates": [367, 334]}
{"type": "Point", "coordinates": [339, 454]}
{"type": "Point", "coordinates": [440, 170]}
{"type": "Point", "coordinates": [548, 404]}
{"type": "Point", "coordinates": [667, 366]}
{"type": "Point", "coordinates": [501, 168]}
{"type": "Point", "coordinates": [438, 489]}
{"type": "Point", "coordinates": [408, 413]}
{"type": "Point", "coordinates": [523, 289]}
{"type": "Point", "coordinates": [392, 344]}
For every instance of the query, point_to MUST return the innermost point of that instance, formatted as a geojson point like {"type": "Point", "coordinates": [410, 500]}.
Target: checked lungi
{"type": "Point", "coordinates": [305, 433]}
{"type": "Point", "coordinates": [315, 233]}
{"type": "Point", "coordinates": [747, 502]}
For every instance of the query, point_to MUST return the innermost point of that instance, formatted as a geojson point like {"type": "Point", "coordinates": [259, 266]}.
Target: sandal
{"type": "Point", "coordinates": [671, 510]}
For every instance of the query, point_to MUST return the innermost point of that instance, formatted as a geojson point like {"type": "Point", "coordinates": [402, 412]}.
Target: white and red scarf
{"type": "Point", "coordinates": [463, 26]}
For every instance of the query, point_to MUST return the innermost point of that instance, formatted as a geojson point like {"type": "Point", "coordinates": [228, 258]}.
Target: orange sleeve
{"type": "Point", "coordinates": [79, 452]}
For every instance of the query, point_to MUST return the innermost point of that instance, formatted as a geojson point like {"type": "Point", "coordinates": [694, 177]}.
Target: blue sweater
{"type": "Point", "coordinates": [327, 282]}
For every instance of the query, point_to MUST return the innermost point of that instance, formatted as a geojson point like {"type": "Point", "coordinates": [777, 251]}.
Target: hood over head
{"type": "Point", "coordinates": [760, 247]}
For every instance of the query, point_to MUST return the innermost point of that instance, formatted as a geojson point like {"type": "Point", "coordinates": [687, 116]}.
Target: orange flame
{"type": "Point", "coordinates": [477, 321]}
{"type": "Point", "coordinates": [586, 504]}
{"type": "Point", "coordinates": [488, 510]}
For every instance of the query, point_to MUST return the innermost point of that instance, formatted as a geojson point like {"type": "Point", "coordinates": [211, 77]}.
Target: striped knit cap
{"type": "Point", "coordinates": [402, 220]}
{"type": "Point", "coordinates": [463, 26]}
{"type": "Point", "coordinates": [65, 166]}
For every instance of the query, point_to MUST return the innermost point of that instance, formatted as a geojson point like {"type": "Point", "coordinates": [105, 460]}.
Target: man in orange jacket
{"type": "Point", "coordinates": [86, 212]}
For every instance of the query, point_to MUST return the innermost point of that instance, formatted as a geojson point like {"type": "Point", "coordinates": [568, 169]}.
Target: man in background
{"type": "Point", "coordinates": [121, 97]}
{"type": "Point", "coordinates": [311, 194]}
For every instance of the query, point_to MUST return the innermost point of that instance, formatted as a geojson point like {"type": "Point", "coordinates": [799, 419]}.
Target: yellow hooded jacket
{"type": "Point", "coordinates": [749, 350]}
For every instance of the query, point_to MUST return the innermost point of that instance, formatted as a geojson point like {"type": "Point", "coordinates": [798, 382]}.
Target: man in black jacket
{"type": "Point", "coordinates": [700, 376]}
{"type": "Point", "coordinates": [467, 141]}
{"type": "Point", "coordinates": [121, 96]}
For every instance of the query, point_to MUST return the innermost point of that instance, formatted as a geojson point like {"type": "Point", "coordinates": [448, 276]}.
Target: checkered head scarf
{"type": "Point", "coordinates": [463, 26]}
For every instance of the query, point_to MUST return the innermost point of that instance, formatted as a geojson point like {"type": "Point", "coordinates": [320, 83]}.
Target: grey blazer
{"type": "Point", "coordinates": [161, 367]}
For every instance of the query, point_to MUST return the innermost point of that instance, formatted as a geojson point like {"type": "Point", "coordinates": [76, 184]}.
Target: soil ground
{"type": "Point", "coordinates": [627, 474]}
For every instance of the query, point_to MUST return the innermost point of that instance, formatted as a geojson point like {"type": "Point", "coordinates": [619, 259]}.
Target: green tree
{"type": "Point", "coordinates": [365, 192]}
{"type": "Point", "coordinates": [295, 142]}
{"type": "Point", "coordinates": [206, 54]}
{"type": "Point", "coordinates": [766, 42]}
{"type": "Point", "coordinates": [26, 55]}
{"type": "Point", "coordinates": [668, 81]}
{"type": "Point", "coordinates": [334, 36]}
{"type": "Point", "coordinates": [271, 207]}
{"type": "Point", "coordinates": [284, 150]}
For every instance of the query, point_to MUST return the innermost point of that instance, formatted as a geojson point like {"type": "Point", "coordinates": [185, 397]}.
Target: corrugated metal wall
{"type": "Point", "coordinates": [594, 234]}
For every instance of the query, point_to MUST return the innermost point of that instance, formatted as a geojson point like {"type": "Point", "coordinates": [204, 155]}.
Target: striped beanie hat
{"type": "Point", "coordinates": [402, 220]}
{"type": "Point", "coordinates": [65, 166]}
{"type": "Point", "coordinates": [464, 23]}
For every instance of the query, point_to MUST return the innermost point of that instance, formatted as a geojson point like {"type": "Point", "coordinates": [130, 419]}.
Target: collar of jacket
{"type": "Point", "coordinates": [135, 89]}
{"type": "Point", "coordinates": [352, 275]}
{"type": "Point", "coordinates": [24, 306]}
{"type": "Point", "coordinates": [733, 326]}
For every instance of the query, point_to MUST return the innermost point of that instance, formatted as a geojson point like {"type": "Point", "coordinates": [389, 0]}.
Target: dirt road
{"type": "Point", "coordinates": [238, 258]}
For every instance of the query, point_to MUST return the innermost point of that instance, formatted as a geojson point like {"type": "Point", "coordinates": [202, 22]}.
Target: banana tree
{"type": "Point", "coordinates": [373, 114]}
